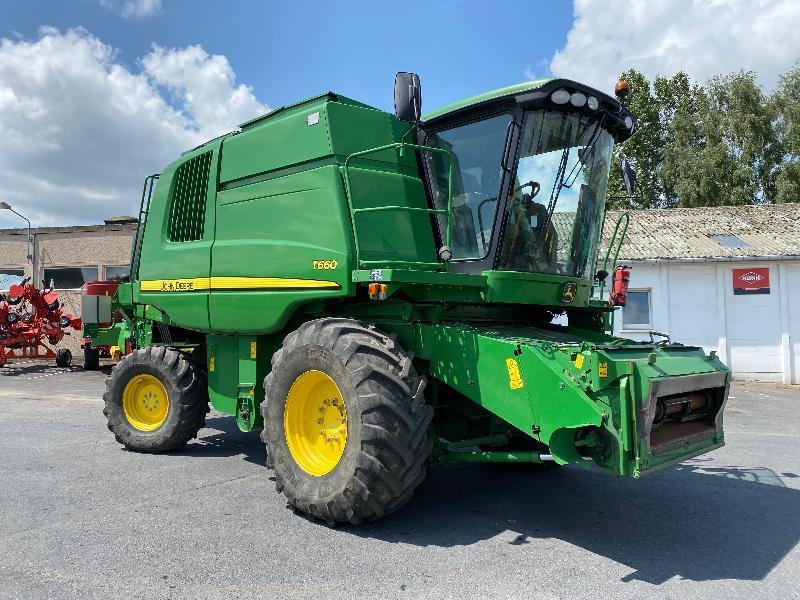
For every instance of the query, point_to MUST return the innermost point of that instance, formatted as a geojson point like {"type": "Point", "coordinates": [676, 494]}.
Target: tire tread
{"type": "Point", "coordinates": [191, 400]}
{"type": "Point", "coordinates": [392, 458]}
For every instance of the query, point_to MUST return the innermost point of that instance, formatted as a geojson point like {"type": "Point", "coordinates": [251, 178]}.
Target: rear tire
{"type": "Point", "coordinates": [152, 377]}
{"type": "Point", "coordinates": [91, 358]}
{"type": "Point", "coordinates": [64, 358]}
{"type": "Point", "coordinates": [386, 423]}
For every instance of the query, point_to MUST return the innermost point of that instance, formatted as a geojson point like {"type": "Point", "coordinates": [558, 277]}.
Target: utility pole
{"type": "Point", "coordinates": [7, 206]}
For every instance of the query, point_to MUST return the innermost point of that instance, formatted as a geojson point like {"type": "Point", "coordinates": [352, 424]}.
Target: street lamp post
{"type": "Point", "coordinates": [7, 206]}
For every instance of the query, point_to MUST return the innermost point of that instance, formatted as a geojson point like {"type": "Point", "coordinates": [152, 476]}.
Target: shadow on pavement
{"type": "Point", "coordinates": [36, 368]}
{"type": "Point", "coordinates": [694, 522]}
{"type": "Point", "coordinates": [226, 440]}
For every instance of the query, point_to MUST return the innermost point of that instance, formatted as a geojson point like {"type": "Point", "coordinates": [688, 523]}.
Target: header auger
{"type": "Point", "coordinates": [375, 291]}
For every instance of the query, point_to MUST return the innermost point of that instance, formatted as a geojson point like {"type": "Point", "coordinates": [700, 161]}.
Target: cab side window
{"type": "Point", "coordinates": [477, 174]}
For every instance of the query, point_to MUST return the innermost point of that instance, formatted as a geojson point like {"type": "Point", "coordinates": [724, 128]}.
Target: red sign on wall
{"type": "Point", "coordinates": [750, 281]}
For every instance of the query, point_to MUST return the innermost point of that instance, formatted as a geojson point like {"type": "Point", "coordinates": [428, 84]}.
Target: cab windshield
{"type": "Point", "coordinates": [554, 216]}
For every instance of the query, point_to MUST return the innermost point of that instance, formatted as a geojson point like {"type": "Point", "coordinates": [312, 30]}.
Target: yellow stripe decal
{"type": "Point", "coordinates": [238, 283]}
{"type": "Point", "coordinates": [233, 283]}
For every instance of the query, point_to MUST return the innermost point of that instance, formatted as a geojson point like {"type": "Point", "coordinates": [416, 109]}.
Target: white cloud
{"type": "Point", "coordinates": [660, 37]}
{"type": "Point", "coordinates": [79, 131]}
{"type": "Point", "coordinates": [206, 84]}
{"type": "Point", "coordinates": [133, 8]}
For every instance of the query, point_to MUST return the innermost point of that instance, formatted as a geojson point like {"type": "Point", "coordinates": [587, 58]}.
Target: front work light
{"type": "Point", "coordinates": [592, 103]}
{"type": "Point", "coordinates": [577, 99]}
{"type": "Point", "coordinates": [560, 97]}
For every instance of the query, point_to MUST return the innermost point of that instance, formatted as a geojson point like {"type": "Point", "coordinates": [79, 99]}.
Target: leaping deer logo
{"type": "Point", "coordinates": [568, 295]}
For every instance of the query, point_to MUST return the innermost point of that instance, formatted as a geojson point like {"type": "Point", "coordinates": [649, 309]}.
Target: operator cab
{"type": "Point", "coordinates": [531, 167]}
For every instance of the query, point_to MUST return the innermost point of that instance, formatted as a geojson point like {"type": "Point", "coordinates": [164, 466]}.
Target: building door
{"type": "Point", "coordinates": [753, 321]}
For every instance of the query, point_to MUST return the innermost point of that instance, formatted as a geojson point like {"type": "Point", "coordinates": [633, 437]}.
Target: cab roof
{"type": "Point", "coordinates": [511, 90]}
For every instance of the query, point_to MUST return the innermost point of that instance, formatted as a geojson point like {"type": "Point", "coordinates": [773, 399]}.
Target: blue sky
{"type": "Point", "coordinates": [96, 94]}
{"type": "Point", "coordinates": [291, 50]}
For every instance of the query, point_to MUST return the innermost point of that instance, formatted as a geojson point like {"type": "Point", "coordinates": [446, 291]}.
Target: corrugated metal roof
{"type": "Point", "coordinates": [685, 233]}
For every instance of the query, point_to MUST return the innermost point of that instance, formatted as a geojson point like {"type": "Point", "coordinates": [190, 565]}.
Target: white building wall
{"type": "Point", "coordinates": [792, 274]}
{"type": "Point", "coordinates": [757, 336]}
{"type": "Point", "coordinates": [693, 307]}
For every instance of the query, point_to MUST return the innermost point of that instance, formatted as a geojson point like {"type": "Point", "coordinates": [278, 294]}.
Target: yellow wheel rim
{"type": "Point", "coordinates": [145, 402]}
{"type": "Point", "coordinates": [315, 423]}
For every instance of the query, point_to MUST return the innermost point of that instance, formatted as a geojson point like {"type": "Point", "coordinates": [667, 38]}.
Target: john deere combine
{"type": "Point", "coordinates": [376, 291]}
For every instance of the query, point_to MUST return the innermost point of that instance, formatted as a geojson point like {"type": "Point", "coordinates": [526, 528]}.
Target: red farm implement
{"type": "Point", "coordinates": [32, 322]}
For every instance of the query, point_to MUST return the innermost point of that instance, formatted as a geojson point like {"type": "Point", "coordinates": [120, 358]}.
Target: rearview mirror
{"type": "Point", "coordinates": [407, 97]}
{"type": "Point", "coordinates": [628, 177]}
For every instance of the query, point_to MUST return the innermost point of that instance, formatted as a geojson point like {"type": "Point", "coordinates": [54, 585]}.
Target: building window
{"type": "Point", "coordinates": [637, 312]}
{"type": "Point", "coordinates": [9, 277]}
{"type": "Point", "coordinates": [117, 273]}
{"type": "Point", "coordinates": [69, 278]}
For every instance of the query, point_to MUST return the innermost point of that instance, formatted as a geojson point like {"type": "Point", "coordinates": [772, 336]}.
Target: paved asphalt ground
{"type": "Point", "coordinates": [80, 517]}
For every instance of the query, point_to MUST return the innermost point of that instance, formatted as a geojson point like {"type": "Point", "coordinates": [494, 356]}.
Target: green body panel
{"type": "Point", "coordinates": [535, 288]}
{"type": "Point", "coordinates": [107, 336]}
{"type": "Point", "coordinates": [554, 399]}
{"type": "Point", "coordinates": [165, 260]}
{"type": "Point", "coordinates": [391, 235]}
{"type": "Point", "coordinates": [236, 369]}
{"type": "Point", "coordinates": [254, 239]}
{"type": "Point", "coordinates": [223, 377]}
{"type": "Point", "coordinates": [296, 196]}
{"type": "Point", "coordinates": [291, 141]}
{"type": "Point", "coordinates": [506, 287]}
{"type": "Point", "coordinates": [430, 285]}
{"type": "Point", "coordinates": [120, 331]}
{"type": "Point", "coordinates": [276, 208]}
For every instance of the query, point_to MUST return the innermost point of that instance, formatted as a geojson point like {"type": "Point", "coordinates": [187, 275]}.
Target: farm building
{"type": "Point", "coordinates": [725, 278]}
{"type": "Point", "coordinates": [68, 257]}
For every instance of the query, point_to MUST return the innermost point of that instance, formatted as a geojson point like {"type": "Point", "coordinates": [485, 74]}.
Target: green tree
{"type": "Point", "coordinates": [722, 146]}
{"type": "Point", "coordinates": [682, 107]}
{"type": "Point", "coordinates": [722, 143]}
{"type": "Point", "coordinates": [643, 150]}
{"type": "Point", "coordinates": [741, 115]}
{"type": "Point", "coordinates": [786, 104]}
{"type": "Point", "coordinates": [668, 137]}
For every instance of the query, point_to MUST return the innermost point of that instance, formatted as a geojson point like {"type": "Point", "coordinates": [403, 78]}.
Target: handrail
{"type": "Point", "coordinates": [627, 218]}
{"type": "Point", "coordinates": [400, 146]}
{"type": "Point", "coordinates": [611, 243]}
{"type": "Point", "coordinates": [144, 208]}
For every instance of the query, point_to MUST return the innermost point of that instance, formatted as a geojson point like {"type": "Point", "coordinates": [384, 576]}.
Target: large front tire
{"type": "Point", "coordinates": [155, 400]}
{"type": "Point", "coordinates": [345, 422]}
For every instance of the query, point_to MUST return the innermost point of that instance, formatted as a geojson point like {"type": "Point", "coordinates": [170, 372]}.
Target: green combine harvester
{"type": "Point", "coordinates": [375, 291]}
